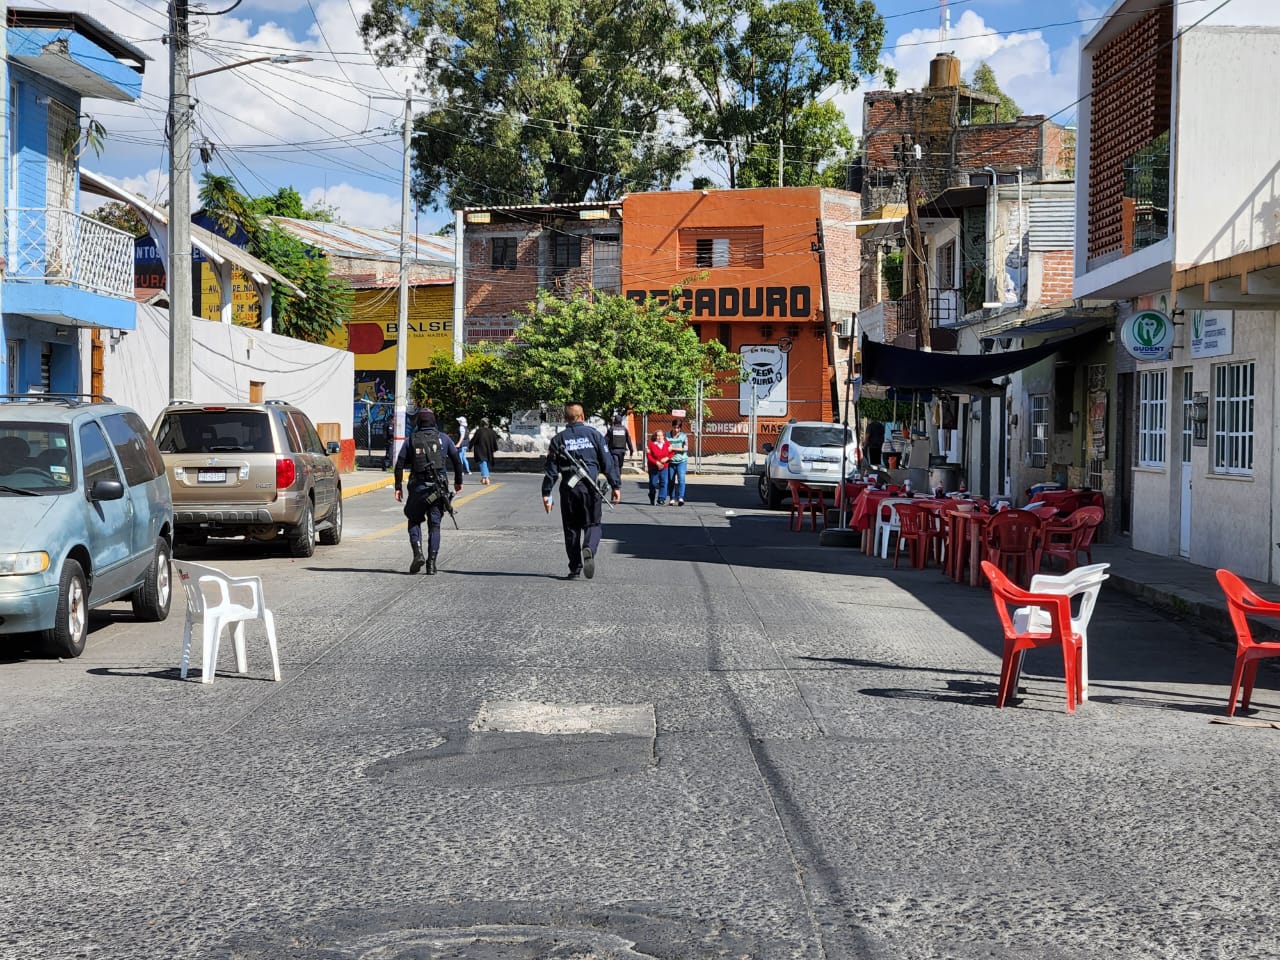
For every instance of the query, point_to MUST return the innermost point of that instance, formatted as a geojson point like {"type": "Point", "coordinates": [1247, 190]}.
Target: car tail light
{"type": "Point", "coordinates": [213, 409]}
{"type": "Point", "coordinates": [286, 473]}
{"type": "Point", "coordinates": [784, 453]}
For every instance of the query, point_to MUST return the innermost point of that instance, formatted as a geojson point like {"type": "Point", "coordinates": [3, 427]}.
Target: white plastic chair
{"type": "Point", "coordinates": [885, 529]}
{"type": "Point", "coordinates": [1082, 582]}
{"type": "Point", "coordinates": [210, 603]}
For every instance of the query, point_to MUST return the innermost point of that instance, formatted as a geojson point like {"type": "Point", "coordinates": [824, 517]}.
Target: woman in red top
{"type": "Point", "coordinates": [657, 453]}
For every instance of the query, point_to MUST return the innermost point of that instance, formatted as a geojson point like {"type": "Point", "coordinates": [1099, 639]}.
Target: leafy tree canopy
{"type": "Point", "coordinates": [610, 353]}
{"type": "Point", "coordinates": [984, 81]}
{"type": "Point", "coordinates": [479, 386]}
{"type": "Point", "coordinates": [121, 216]}
{"type": "Point", "coordinates": [327, 299]}
{"type": "Point", "coordinates": [540, 101]}
{"type": "Point", "coordinates": [287, 202]}
{"type": "Point", "coordinates": [758, 68]}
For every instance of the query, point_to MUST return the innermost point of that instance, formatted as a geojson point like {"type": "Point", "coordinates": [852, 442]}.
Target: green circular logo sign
{"type": "Point", "coordinates": [1147, 335]}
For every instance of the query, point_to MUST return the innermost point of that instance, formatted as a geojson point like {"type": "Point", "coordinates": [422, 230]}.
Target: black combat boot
{"type": "Point", "coordinates": [431, 566]}
{"type": "Point", "coordinates": [418, 559]}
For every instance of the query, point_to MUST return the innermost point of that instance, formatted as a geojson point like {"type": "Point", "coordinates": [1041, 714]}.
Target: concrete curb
{"type": "Point", "coordinates": [358, 489]}
{"type": "Point", "coordinates": [1208, 614]}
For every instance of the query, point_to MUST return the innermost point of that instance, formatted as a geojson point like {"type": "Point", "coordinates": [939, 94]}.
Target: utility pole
{"type": "Point", "coordinates": [820, 248]}
{"type": "Point", "coordinates": [780, 166]}
{"type": "Point", "coordinates": [179, 265]}
{"type": "Point", "coordinates": [402, 314]}
{"type": "Point", "coordinates": [917, 275]}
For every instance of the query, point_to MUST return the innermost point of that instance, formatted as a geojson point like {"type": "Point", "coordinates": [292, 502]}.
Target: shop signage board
{"type": "Point", "coordinates": [764, 366]}
{"type": "Point", "coordinates": [1147, 335]}
{"type": "Point", "coordinates": [1211, 333]}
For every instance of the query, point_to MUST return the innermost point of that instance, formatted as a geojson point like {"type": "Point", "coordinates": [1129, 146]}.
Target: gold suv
{"type": "Point", "coordinates": [257, 470]}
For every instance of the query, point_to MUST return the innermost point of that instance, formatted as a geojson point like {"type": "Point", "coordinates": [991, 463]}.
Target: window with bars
{"type": "Point", "coordinates": [1153, 411]}
{"type": "Point", "coordinates": [1233, 418]}
{"type": "Point", "coordinates": [1039, 429]}
{"type": "Point", "coordinates": [1188, 415]}
{"type": "Point", "coordinates": [704, 248]}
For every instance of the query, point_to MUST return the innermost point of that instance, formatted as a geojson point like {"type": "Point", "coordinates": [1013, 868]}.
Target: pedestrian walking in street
{"type": "Point", "coordinates": [657, 454]}
{"type": "Point", "coordinates": [620, 445]}
{"type": "Point", "coordinates": [464, 441]}
{"type": "Point", "coordinates": [427, 454]}
{"type": "Point", "coordinates": [484, 444]}
{"type": "Point", "coordinates": [679, 441]}
{"type": "Point", "coordinates": [577, 457]}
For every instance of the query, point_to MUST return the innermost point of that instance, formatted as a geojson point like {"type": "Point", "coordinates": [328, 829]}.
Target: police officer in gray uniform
{"type": "Point", "coordinates": [424, 454]}
{"type": "Point", "coordinates": [577, 450]}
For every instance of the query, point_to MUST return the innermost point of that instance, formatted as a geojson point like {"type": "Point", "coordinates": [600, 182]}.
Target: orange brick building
{"type": "Point", "coordinates": [750, 271]}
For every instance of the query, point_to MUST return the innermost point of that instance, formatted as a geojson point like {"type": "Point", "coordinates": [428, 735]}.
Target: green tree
{"type": "Point", "coordinates": [984, 81]}
{"type": "Point", "coordinates": [121, 216]}
{"type": "Point", "coordinates": [326, 300]}
{"type": "Point", "coordinates": [287, 202]}
{"type": "Point", "coordinates": [478, 386]}
{"type": "Point", "coordinates": [610, 353]}
{"type": "Point", "coordinates": [758, 68]}
{"type": "Point", "coordinates": [539, 101]}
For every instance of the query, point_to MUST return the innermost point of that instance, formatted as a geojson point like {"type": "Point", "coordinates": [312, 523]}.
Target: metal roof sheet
{"type": "Point", "coordinates": [367, 243]}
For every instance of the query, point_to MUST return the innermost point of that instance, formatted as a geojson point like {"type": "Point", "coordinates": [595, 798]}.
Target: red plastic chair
{"type": "Point", "coordinates": [1013, 542]}
{"type": "Point", "coordinates": [805, 499]}
{"type": "Point", "coordinates": [913, 530]}
{"type": "Point", "coordinates": [1007, 594]}
{"type": "Point", "coordinates": [937, 524]}
{"type": "Point", "coordinates": [1062, 539]}
{"type": "Point", "coordinates": [1241, 604]}
{"type": "Point", "coordinates": [1085, 544]}
{"type": "Point", "coordinates": [1046, 511]}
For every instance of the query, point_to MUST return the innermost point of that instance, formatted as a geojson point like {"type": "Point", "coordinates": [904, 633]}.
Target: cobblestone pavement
{"type": "Point", "coordinates": [731, 743]}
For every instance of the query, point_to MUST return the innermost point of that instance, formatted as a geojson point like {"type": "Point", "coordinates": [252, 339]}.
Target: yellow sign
{"type": "Point", "coordinates": [246, 310]}
{"type": "Point", "coordinates": [371, 333]}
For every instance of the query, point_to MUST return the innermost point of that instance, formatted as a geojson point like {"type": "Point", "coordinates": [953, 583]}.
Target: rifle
{"type": "Point", "coordinates": [446, 497]}
{"type": "Point", "coordinates": [596, 484]}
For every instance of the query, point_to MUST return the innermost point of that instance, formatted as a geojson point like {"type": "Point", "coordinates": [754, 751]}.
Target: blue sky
{"type": "Point", "coordinates": [323, 127]}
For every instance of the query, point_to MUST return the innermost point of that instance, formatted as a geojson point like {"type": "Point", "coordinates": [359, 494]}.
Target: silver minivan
{"type": "Point", "coordinates": [85, 517]}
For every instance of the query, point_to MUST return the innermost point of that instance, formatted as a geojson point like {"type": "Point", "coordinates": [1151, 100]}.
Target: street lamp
{"type": "Point", "coordinates": [179, 265]}
{"type": "Point", "coordinates": [278, 58]}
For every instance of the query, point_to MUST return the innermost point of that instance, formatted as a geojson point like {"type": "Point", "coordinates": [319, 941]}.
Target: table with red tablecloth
{"type": "Point", "coordinates": [846, 496]}
{"type": "Point", "coordinates": [1069, 500]}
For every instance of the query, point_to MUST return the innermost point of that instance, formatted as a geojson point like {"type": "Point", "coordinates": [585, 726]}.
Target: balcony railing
{"type": "Point", "coordinates": [50, 245]}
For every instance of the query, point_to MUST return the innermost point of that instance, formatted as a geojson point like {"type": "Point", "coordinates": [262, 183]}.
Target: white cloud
{"type": "Point", "coordinates": [357, 207]}
{"type": "Point", "coordinates": [300, 125]}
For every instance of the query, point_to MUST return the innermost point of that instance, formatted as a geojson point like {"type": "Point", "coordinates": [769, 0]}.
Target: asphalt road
{"type": "Point", "coordinates": [731, 743]}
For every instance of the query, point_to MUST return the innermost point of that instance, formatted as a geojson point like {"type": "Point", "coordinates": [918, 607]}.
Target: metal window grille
{"type": "Point", "coordinates": [1039, 429]}
{"type": "Point", "coordinates": [1153, 399]}
{"type": "Point", "coordinates": [1233, 417]}
{"type": "Point", "coordinates": [1188, 421]}
{"type": "Point", "coordinates": [503, 256]}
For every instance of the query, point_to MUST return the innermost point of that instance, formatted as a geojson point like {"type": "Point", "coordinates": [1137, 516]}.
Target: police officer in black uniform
{"type": "Point", "coordinates": [424, 454]}
{"type": "Point", "coordinates": [581, 499]}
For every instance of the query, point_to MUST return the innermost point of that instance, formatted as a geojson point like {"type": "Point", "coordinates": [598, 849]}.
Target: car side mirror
{"type": "Point", "coordinates": [106, 490]}
{"type": "Point", "coordinates": [767, 448]}
{"type": "Point", "coordinates": [333, 446]}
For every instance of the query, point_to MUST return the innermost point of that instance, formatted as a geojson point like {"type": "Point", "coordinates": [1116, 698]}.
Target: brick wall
{"type": "Point", "coordinates": [1058, 267]}
{"type": "Point", "coordinates": [1132, 84]}
{"type": "Point", "coordinates": [950, 150]}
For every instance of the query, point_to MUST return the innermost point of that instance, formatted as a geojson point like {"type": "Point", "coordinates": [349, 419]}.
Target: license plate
{"type": "Point", "coordinates": [211, 476]}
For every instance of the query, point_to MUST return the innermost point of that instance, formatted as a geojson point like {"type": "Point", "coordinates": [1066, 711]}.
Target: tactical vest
{"type": "Point", "coordinates": [618, 438]}
{"type": "Point", "coordinates": [426, 460]}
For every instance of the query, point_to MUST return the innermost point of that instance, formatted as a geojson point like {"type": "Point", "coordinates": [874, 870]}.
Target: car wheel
{"type": "Point", "coordinates": [770, 495]}
{"type": "Point", "coordinates": [71, 622]}
{"type": "Point", "coordinates": [302, 538]}
{"type": "Point", "coordinates": [333, 536]}
{"type": "Point", "coordinates": [151, 599]}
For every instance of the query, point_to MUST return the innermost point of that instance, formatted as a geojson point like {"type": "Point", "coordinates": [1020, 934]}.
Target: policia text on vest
{"type": "Point", "coordinates": [427, 454]}
{"type": "Point", "coordinates": [576, 458]}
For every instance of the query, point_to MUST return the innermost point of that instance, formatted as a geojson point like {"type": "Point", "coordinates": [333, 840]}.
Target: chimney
{"type": "Point", "coordinates": [944, 71]}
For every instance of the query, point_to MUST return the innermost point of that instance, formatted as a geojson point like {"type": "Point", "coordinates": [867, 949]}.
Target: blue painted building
{"type": "Point", "coordinates": [61, 270]}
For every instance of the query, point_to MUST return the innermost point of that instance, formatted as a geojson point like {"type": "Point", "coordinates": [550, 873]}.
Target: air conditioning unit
{"type": "Point", "coordinates": [844, 327]}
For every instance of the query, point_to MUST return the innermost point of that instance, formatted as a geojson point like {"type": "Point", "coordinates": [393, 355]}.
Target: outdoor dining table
{"type": "Point", "coordinates": [961, 527]}
{"type": "Point", "coordinates": [846, 497]}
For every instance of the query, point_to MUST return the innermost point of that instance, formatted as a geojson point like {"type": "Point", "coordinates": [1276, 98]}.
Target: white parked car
{"type": "Point", "coordinates": [809, 451]}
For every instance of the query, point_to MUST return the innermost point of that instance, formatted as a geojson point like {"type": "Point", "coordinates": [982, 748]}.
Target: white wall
{"type": "Point", "coordinates": [320, 380]}
{"type": "Point", "coordinates": [1228, 163]}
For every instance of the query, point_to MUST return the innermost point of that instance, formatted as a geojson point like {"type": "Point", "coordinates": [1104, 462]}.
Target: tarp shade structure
{"type": "Point", "coordinates": [909, 369]}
